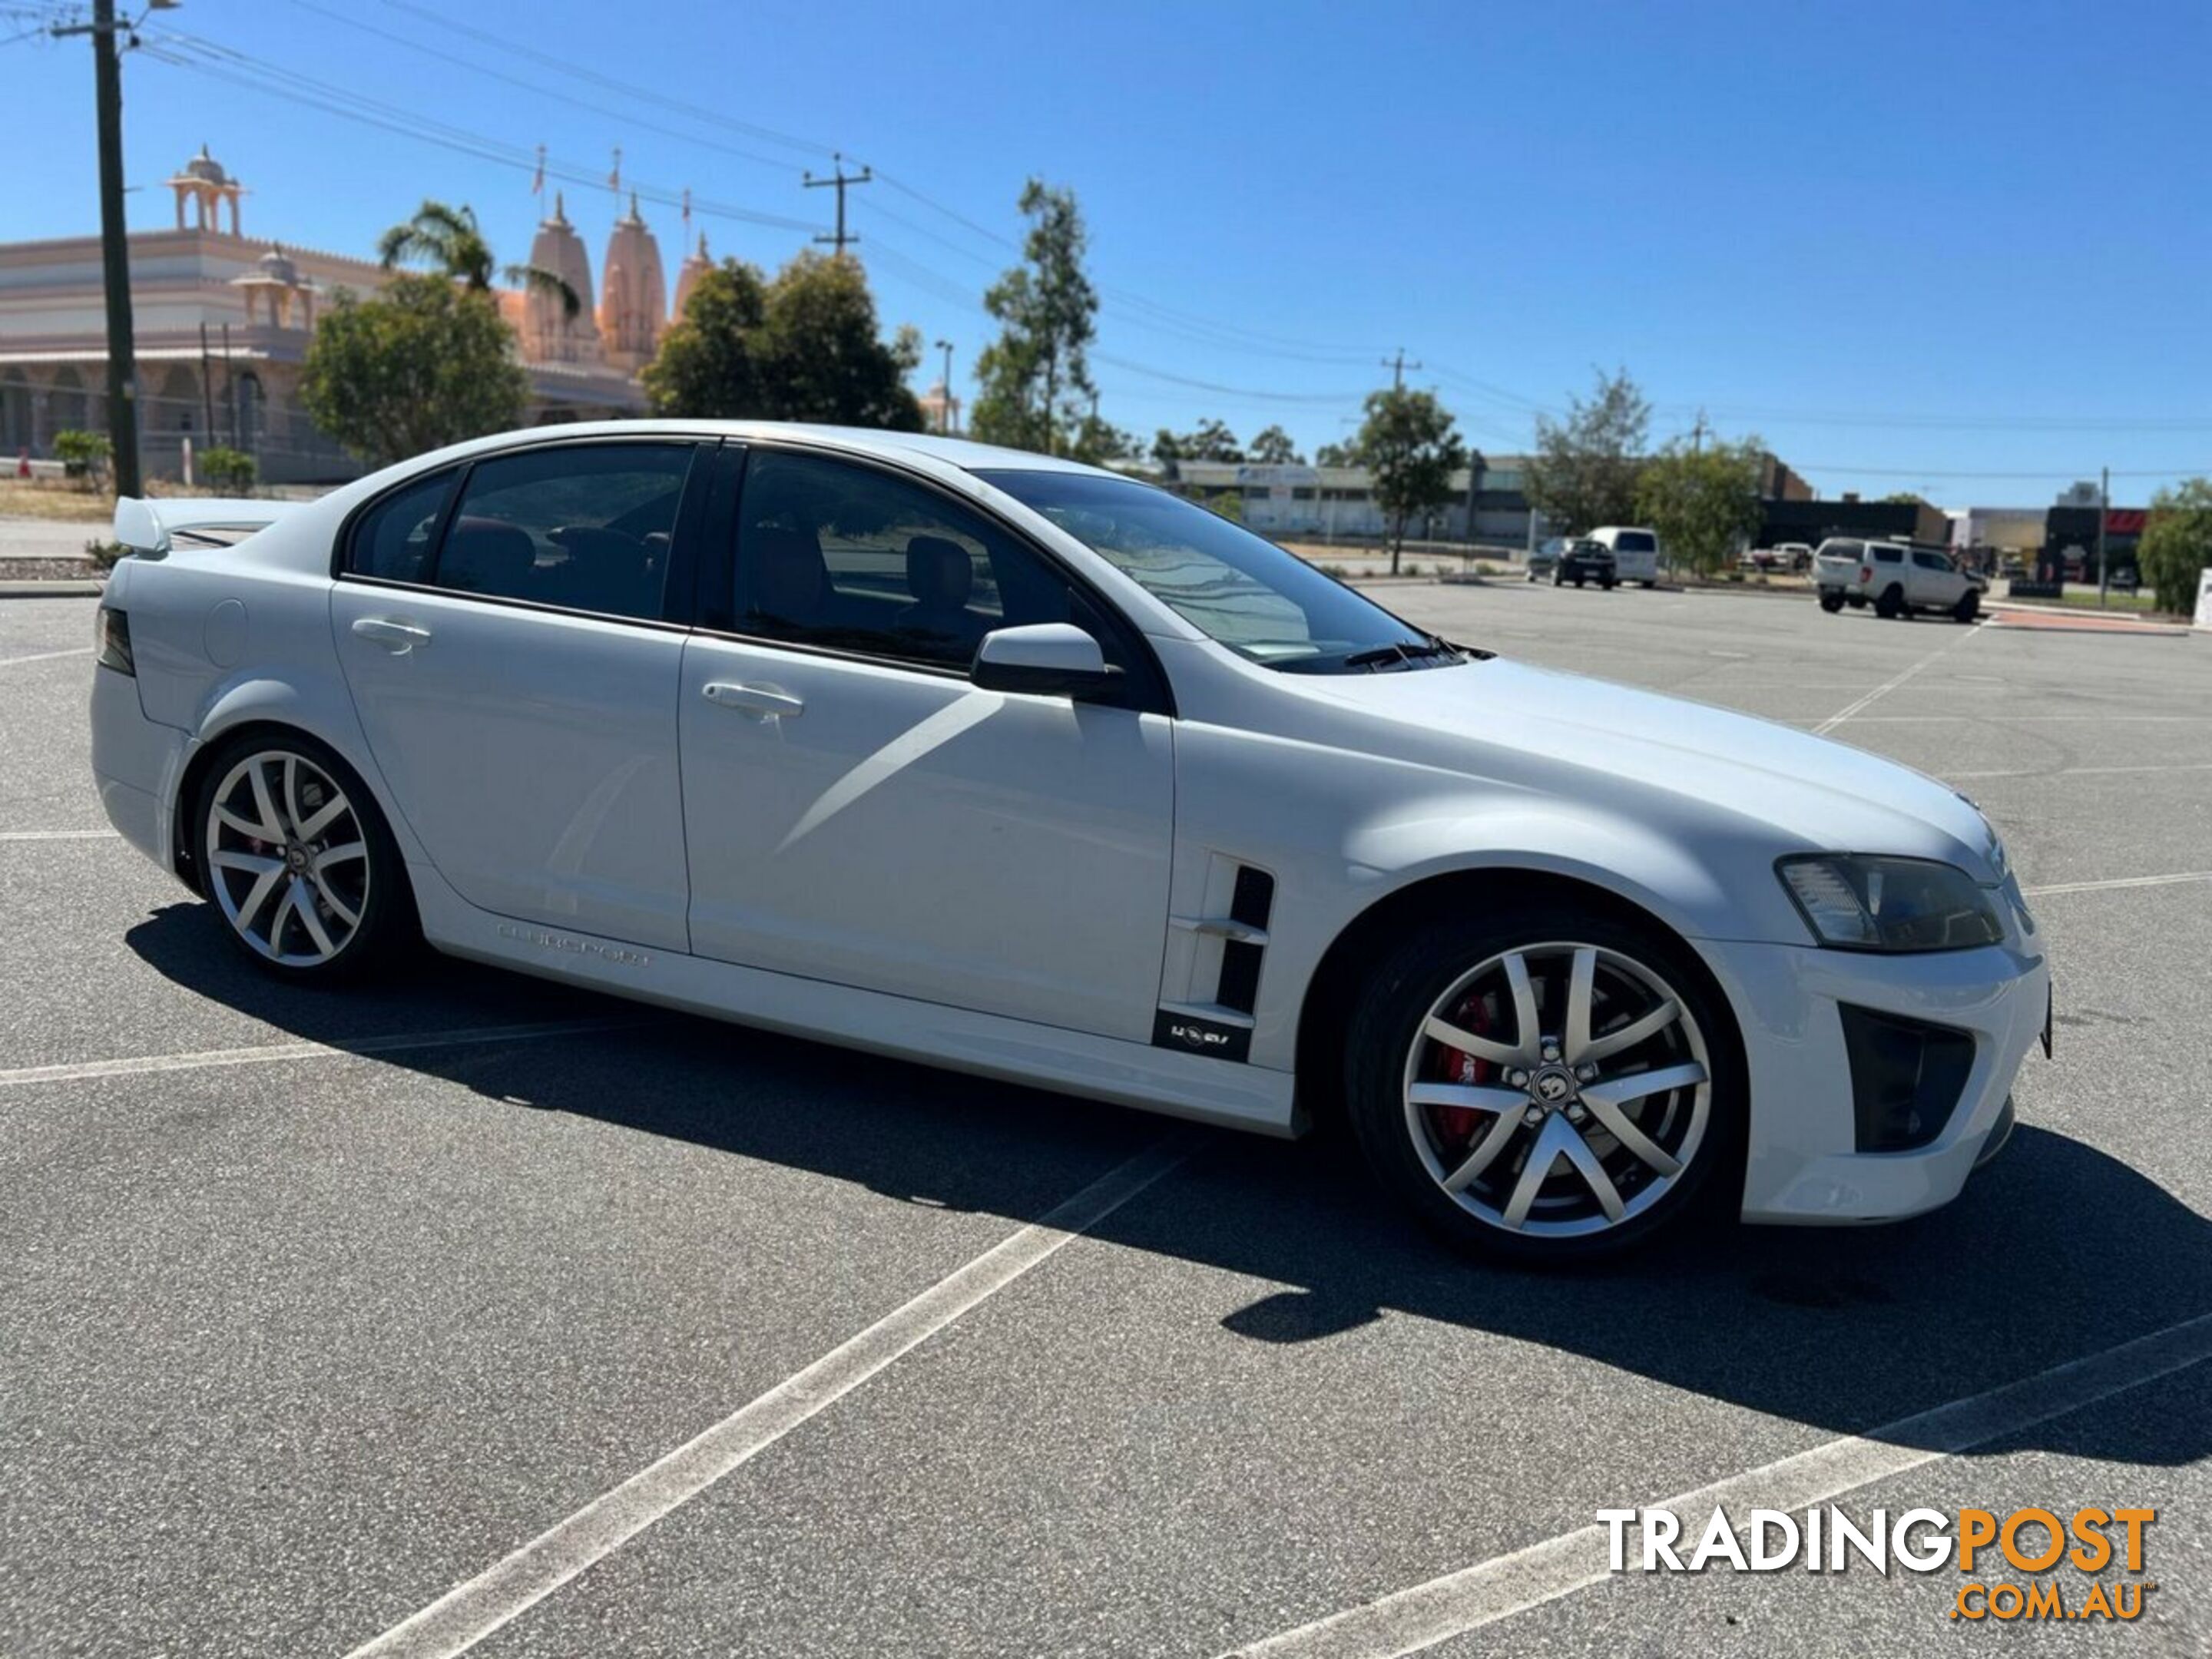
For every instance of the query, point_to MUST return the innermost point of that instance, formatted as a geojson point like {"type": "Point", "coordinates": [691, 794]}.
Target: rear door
{"type": "Point", "coordinates": [512, 636]}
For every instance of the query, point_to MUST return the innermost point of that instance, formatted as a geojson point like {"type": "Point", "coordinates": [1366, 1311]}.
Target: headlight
{"type": "Point", "coordinates": [1858, 902]}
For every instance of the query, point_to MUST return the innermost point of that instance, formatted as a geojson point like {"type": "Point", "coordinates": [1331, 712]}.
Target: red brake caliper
{"type": "Point", "coordinates": [1458, 1122]}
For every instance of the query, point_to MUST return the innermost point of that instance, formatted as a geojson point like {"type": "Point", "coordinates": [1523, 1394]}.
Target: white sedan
{"type": "Point", "coordinates": [1010, 765]}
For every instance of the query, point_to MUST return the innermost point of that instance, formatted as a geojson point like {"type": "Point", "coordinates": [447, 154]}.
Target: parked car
{"type": "Point", "coordinates": [1896, 578]}
{"type": "Point", "coordinates": [1793, 556]}
{"type": "Point", "coordinates": [1635, 552]}
{"type": "Point", "coordinates": [1572, 559]}
{"type": "Point", "coordinates": [988, 760]}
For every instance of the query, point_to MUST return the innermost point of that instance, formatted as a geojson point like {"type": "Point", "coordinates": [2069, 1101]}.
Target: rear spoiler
{"type": "Point", "coordinates": [147, 528]}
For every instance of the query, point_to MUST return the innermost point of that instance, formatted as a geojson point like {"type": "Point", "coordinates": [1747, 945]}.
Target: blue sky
{"type": "Point", "coordinates": [1906, 244]}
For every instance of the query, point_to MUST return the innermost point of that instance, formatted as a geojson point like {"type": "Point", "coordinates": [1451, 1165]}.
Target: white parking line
{"type": "Point", "coordinates": [467, 1037]}
{"type": "Point", "coordinates": [2119, 881]}
{"type": "Point", "coordinates": [2035, 719]}
{"type": "Point", "coordinates": [58, 835]}
{"type": "Point", "coordinates": [470, 1612]}
{"type": "Point", "coordinates": [1420, 1616]}
{"type": "Point", "coordinates": [2087, 771]}
{"type": "Point", "coordinates": [48, 656]}
{"type": "Point", "coordinates": [1884, 689]}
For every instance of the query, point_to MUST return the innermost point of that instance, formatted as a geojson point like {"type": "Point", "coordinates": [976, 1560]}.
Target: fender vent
{"type": "Point", "coordinates": [1254, 899]}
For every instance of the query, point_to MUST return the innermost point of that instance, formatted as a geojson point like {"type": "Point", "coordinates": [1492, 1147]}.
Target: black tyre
{"type": "Point", "coordinates": [1651, 585]}
{"type": "Point", "coordinates": [1831, 602]}
{"type": "Point", "coordinates": [1891, 605]}
{"type": "Point", "coordinates": [1558, 576]}
{"type": "Point", "coordinates": [1544, 1084]}
{"type": "Point", "coordinates": [1607, 583]}
{"type": "Point", "coordinates": [1968, 607]}
{"type": "Point", "coordinates": [293, 852]}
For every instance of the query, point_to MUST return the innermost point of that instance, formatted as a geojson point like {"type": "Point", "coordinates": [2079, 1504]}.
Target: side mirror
{"type": "Point", "coordinates": [1053, 659]}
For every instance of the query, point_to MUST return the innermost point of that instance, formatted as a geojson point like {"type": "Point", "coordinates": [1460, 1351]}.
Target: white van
{"type": "Point", "coordinates": [1635, 553]}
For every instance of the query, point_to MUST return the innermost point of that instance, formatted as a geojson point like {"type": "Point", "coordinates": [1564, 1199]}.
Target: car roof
{"type": "Point", "coordinates": [961, 453]}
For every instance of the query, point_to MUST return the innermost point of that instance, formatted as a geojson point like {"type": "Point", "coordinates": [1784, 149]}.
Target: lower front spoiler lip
{"type": "Point", "coordinates": [2000, 1134]}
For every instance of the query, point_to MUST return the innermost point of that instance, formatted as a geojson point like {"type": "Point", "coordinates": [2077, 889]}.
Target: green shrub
{"type": "Point", "coordinates": [104, 553]}
{"type": "Point", "coordinates": [228, 471]}
{"type": "Point", "coordinates": [83, 454]}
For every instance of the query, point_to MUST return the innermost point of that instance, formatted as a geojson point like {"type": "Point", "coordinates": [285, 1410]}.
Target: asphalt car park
{"type": "Point", "coordinates": [330, 1322]}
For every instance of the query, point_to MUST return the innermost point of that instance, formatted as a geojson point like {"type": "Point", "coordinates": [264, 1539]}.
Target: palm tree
{"type": "Point", "coordinates": [448, 240]}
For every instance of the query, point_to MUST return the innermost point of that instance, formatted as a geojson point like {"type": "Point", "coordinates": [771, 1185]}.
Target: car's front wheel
{"type": "Point", "coordinates": [1543, 1084]}
{"type": "Point", "coordinates": [295, 854]}
{"type": "Point", "coordinates": [1968, 607]}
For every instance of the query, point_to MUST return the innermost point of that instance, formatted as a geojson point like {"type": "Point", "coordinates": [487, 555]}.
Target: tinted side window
{"type": "Point", "coordinates": [393, 539]}
{"type": "Point", "coordinates": [584, 526]}
{"type": "Point", "coordinates": [1887, 555]}
{"type": "Point", "coordinates": [853, 559]}
{"type": "Point", "coordinates": [1931, 562]}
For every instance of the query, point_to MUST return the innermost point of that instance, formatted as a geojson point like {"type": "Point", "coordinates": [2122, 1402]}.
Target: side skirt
{"type": "Point", "coordinates": [1125, 1073]}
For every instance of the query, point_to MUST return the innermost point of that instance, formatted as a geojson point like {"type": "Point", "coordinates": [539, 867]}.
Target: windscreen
{"type": "Point", "coordinates": [1252, 596]}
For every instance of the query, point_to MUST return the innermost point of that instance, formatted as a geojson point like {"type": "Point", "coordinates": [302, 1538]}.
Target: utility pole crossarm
{"type": "Point", "coordinates": [839, 180]}
{"type": "Point", "coordinates": [1398, 366]}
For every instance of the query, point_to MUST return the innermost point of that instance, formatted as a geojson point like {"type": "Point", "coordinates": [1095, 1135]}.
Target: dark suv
{"type": "Point", "coordinates": [1575, 559]}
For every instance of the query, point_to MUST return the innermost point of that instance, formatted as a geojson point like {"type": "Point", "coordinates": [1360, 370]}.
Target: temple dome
{"type": "Point", "coordinates": [687, 277]}
{"type": "Point", "coordinates": [634, 306]}
{"type": "Point", "coordinates": [205, 168]}
{"type": "Point", "coordinates": [550, 334]}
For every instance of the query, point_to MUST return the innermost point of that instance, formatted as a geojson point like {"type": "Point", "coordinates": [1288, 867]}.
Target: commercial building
{"type": "Point", "coordinates": [1337, 503]}
{"type": "Point", "coordinates": [222, 322]}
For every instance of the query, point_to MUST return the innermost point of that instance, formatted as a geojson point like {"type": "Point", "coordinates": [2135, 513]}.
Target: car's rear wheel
{"type": "Point", "coordinates": [1968, 607]}
{"type": "Point", "coordinates": [1543, 1085]}
{"type": "Point", "coordinates": [1891, 602]}
{"type": "Point", "coordinates": [295, 855]}
{"type": "Point", "coordinates": [1606, 582]}
{"type": "Point", "coordinates": [1832, 603]}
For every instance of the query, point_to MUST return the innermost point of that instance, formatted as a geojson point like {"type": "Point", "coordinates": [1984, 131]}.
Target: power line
{"type": "Point", "coordinates": [242, 70]}
{"type": "Point", "coordinates": [656, 96]}
{"type": "Point", "coordinates": [539, 87]}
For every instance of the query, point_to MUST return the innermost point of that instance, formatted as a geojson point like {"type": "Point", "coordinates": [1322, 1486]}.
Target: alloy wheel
{"type": "Point", "coordinates": [287, 860]}
{"type": "Point", "coordinates": [1557, 1089]}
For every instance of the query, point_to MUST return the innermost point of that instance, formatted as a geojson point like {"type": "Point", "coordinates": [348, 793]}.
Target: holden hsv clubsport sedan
{"type": "Point", "coordinates": [1014, 766]}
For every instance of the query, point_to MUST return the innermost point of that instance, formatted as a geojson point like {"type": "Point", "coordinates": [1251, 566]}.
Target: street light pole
{"type": "Point", "coordinates": [945, 411]}
{"type": "Point", "coordinates": [114, 247]}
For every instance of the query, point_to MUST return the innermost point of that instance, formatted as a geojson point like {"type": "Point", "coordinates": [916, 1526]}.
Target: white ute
{"type": "Point", "coordinates": [1896, 578]}
{"type": "Point", "coordinates": [995, 762]}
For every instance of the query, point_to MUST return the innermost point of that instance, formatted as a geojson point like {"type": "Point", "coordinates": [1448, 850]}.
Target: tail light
{"type": "Point", "coordinates": [111, 636]}
{"type": "Point", "coordinates": [1866, 572]}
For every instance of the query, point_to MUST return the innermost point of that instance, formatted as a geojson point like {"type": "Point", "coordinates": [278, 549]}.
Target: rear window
{"type": "Point", "coordinates": [1636, 541]}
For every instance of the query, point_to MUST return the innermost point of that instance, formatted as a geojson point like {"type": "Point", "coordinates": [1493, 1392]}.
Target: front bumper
{"type": "Point", "coordinates": [1805, 1165]}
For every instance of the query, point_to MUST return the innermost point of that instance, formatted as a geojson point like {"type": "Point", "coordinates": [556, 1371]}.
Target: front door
{"type": "Point", "coordinates": [859, 812]}
{"type": "Point", "coordinates": [517, 681]}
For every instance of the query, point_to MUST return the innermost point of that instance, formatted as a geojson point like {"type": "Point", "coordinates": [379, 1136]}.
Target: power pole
{"type": "Point", "coordinates": [114, 249]}
{"type": "Point", "coordinates": [838, 180]}
{"type": "Point", "coordinates": [944, 414]}
{"type": "Point", "coordinates": [2104, 512]}
{"type": "Point", "coordinates": [1697, 435]}
{"type": "Point", "coordinates": [1398, 366]}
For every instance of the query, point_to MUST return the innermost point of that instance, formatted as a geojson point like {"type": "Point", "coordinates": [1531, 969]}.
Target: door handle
{"type": "Point", "coordinates": [397, 637]}
{"type": "Point", "coordinates": [763, 701]}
